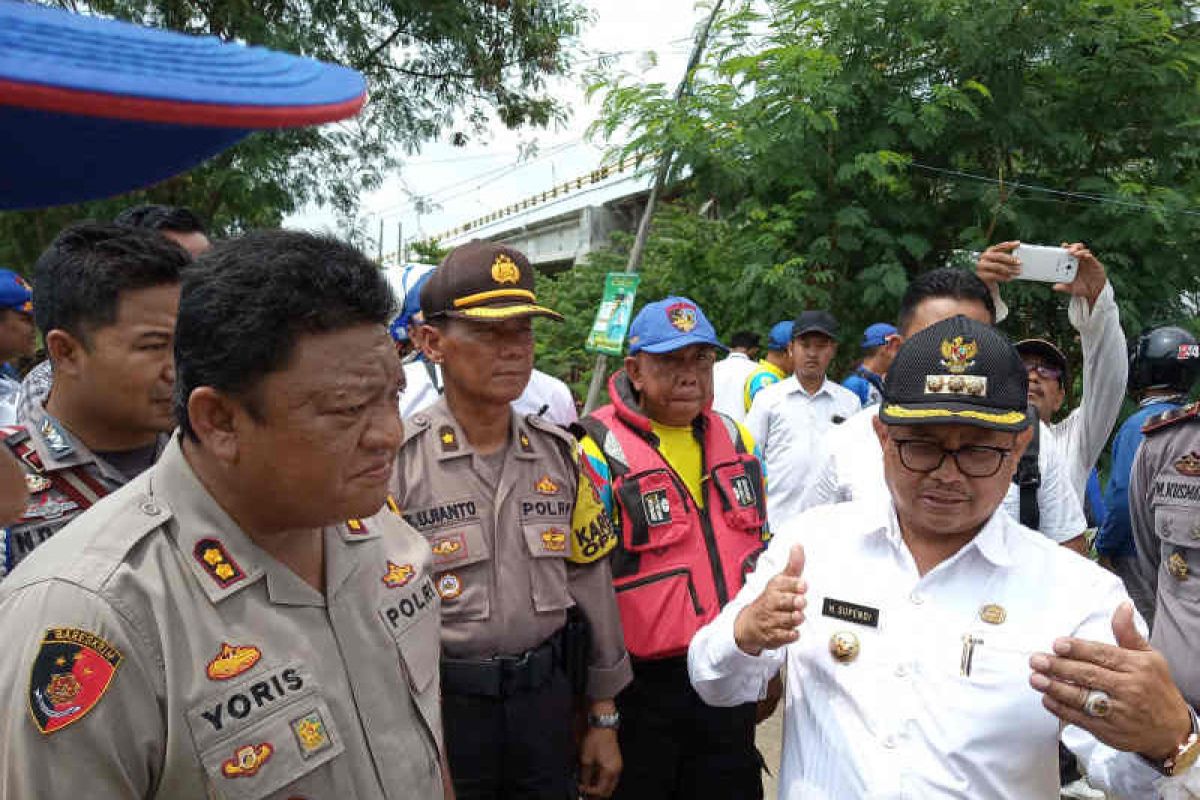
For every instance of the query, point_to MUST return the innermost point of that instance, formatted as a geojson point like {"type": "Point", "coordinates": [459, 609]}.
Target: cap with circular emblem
{"type": "Point", "coordinates": [482, 281]}
{"type": "Point", "coordinates": [957, 371]}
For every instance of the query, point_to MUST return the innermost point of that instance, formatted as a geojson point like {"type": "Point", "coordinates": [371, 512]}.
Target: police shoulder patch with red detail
{"type": "Point", "coordinates": [217, 562]}
{"type": "Point", "coordinates": [72, 671]}
{"type": "Point", "coordinates": [1173, 417]}
{"type": "Point", "coordinates": [356, 526]}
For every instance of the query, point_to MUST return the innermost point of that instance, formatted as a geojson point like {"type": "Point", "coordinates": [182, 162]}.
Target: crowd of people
{"type": "Point", "coordinates": [257, 546]}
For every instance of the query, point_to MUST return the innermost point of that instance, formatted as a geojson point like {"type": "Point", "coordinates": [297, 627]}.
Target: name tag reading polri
{"type": "Point", "coordinates": [850, 612]}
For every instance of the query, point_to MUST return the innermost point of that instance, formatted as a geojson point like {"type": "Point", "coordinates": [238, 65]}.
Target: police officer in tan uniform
{"type": "Point", "coordinates": [106, 299]}
{"type": "Point", "coordinates": [518, 538]}
{"type": "Point", "coordinates": [248, 618]}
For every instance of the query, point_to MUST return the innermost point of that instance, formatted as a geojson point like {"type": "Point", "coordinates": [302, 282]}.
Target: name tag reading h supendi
{"type": "Point", "coordinates": [850, 612]}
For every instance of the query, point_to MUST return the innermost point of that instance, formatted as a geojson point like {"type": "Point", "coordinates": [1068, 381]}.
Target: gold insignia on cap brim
{"type": "Point", "coordinates": [973, 385]}
{"type": "Point", "coordinates": [1000, 418]}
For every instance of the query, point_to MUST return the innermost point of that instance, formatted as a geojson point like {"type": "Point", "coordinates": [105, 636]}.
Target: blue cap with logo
{"type": "Point", "coordinates": [670, 324]}
{"type": "Point", "coordinates": [878, 334]}
{"type": "Point", "coordinates": [15, 292]}
{"type": "Point", "coordinates": [780, 336]}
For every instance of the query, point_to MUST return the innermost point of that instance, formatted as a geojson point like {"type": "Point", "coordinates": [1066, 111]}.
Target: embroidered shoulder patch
{"type": "Point", "coordinates": [217, 562]}
{"type": "Point", "coordinates": [356, 526]}
{"type": "Point", "coordinates": [72, 671]}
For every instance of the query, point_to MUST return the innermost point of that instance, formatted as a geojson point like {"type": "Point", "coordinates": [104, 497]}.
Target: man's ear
{"type": "Point", "coordinates": [430, 340]}
{"type": "Point", "coordinates": [217, 420]}
{"type": "Point", "coordinates": [881, 430]}
{"type": "Point", "coordinates": [1022, 441]}
{"type": "Point", "coordinates": [65, 352]}
{"type": "Point", "coordinates": [633, 368]}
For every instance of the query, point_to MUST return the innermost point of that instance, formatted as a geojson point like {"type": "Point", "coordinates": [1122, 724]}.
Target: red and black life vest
{"type": "Point", "coordinates": [676, 564]}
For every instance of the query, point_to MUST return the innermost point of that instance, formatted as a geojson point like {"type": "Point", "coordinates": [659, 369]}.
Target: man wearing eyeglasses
{"type": "Point", "coordinates": [1077, 440]}
{"type": "Point", "coordinates": [935, 646]}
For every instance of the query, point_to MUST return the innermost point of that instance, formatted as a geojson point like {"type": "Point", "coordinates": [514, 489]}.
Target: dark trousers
{"type": "Point", "coordinates": [675, 746]}
{"type": "Point", "coordinates": [511, 748]}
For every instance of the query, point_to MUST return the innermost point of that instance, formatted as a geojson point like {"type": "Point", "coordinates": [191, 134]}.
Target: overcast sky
{"type": "Point", "coordinates": [468, 182]}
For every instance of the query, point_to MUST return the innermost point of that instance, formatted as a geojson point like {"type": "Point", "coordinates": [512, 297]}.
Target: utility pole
{"type": "Point", "coordinates": [600, 370]}
{"type": "Point", "coordinates": [381, 241]}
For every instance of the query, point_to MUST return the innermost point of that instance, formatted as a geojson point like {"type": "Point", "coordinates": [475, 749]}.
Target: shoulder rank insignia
{"type": "Point", "coordinates": [526, 445]}
{"type": "Point", "coordinates": [217, 562]}
{"type": "Point", "coordinates": [247, 760]}
{"type": "Point", "coordinates": [232, 660]}
{"type": "Point", "coordinates": [36, 483]}
{"type": "Point", "coordinates": [55, 438]}
{"type": "Point", "coordinates": [448, 438]}
{"type": "Point", "coordinates": [393, 505]}
{"type": "Point", "coordinates": [398, 575]}
{"type": "Point", "coordinates": [546, 486]}
{"type": "Point", "coordinates": [1168, 418]}
{"type": "Point", "coordinates": [71, 672]}
{"type": "Point", "coordinates": [1188, 464]}
{"type": "Point", "coordinates": [356, 526]}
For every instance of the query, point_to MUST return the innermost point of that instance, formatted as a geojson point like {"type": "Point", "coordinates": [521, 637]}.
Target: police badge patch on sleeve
{"type": "Point", "coordinates": [72, 671]}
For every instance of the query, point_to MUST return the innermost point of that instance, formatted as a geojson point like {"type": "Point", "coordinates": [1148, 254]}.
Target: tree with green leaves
{"type": "Point", "coordinates": [840, 148]}
{"type": "Point", "coordinates": [431, 68]}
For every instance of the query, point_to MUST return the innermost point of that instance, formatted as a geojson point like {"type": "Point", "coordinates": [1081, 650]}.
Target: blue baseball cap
{"type": "Point", "coordinates": [409, 309]}
{"type": "Point", "coordinates": [780, 335]}
{"type": "Point", "coordinates": [670, 324]}
{"type": "Point", "coordinates": [878, 334]}
{"type": "Point", "coordinates": [15, 292]}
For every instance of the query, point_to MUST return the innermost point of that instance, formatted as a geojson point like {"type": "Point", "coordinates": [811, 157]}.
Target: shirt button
{"type": "Point", "coordinates": [916, 598]}
{"type": "Point", "coordinates": [150, 508]}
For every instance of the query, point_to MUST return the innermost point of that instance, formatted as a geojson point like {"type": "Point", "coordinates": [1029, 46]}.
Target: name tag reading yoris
{"type": "Point", "coordinates": [850, 612]}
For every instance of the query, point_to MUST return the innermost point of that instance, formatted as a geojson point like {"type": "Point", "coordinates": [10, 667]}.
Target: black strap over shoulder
{"type": "Point", "coordinates": [1029, 477]}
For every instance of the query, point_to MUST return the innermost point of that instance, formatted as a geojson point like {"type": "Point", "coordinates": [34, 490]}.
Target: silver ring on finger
{"type": "Point", "coordinates": [1097, 703]}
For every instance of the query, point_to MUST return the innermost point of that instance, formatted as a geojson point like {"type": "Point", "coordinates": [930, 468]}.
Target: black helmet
{"type": "Point", "coordinates": [1166, 357]}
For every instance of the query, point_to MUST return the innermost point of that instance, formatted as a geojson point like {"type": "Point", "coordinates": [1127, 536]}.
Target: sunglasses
{"type": "Point", "coordinates": [1044, 372]}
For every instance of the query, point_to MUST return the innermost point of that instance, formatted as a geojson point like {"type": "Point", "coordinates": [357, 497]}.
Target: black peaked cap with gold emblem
{"type": "Point", "coordinates": [957, 371]}
{"type": "Point", "coordinates": [482, 281]}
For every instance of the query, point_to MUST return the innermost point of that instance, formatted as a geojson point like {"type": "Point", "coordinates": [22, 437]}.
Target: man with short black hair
{"type": "Point", "coordinates": [731, 372]}
{"type": "Point", "coordinates": [106, 297]}
{"type": "Point", "coordinates": [246, 618]}
{"type": "Point", "coordinates": [179, 224]}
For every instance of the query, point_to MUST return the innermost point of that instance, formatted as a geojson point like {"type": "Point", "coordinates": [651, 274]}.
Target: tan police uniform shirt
{"type": "Point", "coordinates": [64, 477]}
{"type": "Point", "coordinates": [152, 650]}
{"type": "Point", "coordinates": [509, 563]}
{"type": "Point", "coordinates": [1164, 509]}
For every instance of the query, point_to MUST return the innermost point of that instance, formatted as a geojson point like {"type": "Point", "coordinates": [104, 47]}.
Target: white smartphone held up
{"type": "Point", "coordinates": [1049, 264]}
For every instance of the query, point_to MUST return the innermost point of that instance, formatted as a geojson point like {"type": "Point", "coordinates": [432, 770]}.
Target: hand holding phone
{"type": "Point", "coordinates": [1047, 264]}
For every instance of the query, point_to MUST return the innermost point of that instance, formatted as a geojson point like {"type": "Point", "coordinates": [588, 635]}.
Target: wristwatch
{"type": "Point", "coordinates": [611, 721]}
{"type": "Point", "coordinates": [1184, 757]}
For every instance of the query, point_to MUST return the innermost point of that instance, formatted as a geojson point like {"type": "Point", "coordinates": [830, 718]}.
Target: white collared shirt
{"type": "Point", "coordinates": [729, 384]}
{"type": "Point", "coordinates": [788, 423]}
{"type": "Point", "coordinates": [901, 720]}
{"type": "Point", "coordinates": [850, 467]}
{"type": "Point", "coordinates": [423, 387]}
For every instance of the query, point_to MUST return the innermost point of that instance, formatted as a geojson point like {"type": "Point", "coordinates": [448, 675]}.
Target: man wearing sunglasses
{"type": "Point", "coordinates": [919, 638]}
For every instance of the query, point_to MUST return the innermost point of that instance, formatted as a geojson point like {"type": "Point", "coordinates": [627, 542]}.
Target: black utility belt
{"type": "Point", "coordinates": [504, 676]}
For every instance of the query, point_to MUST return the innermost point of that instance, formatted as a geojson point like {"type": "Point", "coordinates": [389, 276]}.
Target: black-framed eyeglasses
{"type": "Point", "coordinates": [1044, 372]}
{"type": "Point", "coordinates": [973, 460]}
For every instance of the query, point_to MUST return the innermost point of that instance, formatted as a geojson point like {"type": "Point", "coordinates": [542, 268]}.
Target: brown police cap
{"type": "Point", "coordinates": [482, 281]}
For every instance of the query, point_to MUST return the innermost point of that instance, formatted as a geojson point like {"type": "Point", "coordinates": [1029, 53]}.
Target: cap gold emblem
{"type": "Point", "coordinates": [843, 645]}
{"type": "Point", "coordinates": [505, 270]}
{"type": "Point", "coordinates": [993, 614]}
{"type": "Point", "coordinates": [1178, 567]}
{"type": "Point", "coordinates": [958, 354]}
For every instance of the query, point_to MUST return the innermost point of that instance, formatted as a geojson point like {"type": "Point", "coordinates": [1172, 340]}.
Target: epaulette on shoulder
{"type": "Point", "coordinates": [543, 424]}
{"type": "Point", "coordinates": [415, 425]}
{"type": "Point", "coordinates": [1175, 416]}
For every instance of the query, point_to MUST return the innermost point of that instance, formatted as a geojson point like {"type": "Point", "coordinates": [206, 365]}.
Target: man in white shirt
{"type": "Point", "coordinates": [918, 640]}
{"type": "Point", "coordinates": [850, 466]}
{"type": "Point", "coordinates": [1076, 441]}
{"type": "Point", "coordinates": [731, 372]}
{"type": "Point", "coordinates": [788, 419]}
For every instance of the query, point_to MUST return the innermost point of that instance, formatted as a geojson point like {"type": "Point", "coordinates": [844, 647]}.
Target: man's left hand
{"type": "Point", "coordinates": [599, 762]}
{"type": "Point", "coordinates": [1146, 715]}
{"type": "Point", "coordinates": [1089, 279]}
